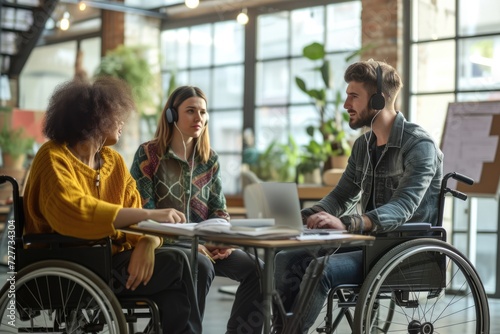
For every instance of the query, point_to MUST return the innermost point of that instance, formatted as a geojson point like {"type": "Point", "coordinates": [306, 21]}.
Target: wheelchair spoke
{"type": "Point", "coordinates": [428, 282]}
{"type": "Point", "coordinates": [60, 297]}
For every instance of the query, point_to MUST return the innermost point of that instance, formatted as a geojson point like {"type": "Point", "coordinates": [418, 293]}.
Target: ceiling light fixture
{"type": "Point", "coordinates": [82, 6]}
{"type": "Point", "coordinates": [242, 17]}
{"type": "Point", "coordinates": [64, 23]}
{"type": "Point", "coordinates": [192, 3]}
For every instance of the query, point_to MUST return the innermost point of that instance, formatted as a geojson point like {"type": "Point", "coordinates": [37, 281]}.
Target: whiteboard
{"type": "Point", "coordinates": [470, 144]}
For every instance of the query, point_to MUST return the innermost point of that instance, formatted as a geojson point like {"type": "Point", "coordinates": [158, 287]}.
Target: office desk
{"type": "Point", "coordinates": [269, 246]}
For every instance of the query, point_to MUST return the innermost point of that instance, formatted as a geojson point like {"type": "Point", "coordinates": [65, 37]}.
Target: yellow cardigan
{"type": "Point", "coordinates": [61, 196]}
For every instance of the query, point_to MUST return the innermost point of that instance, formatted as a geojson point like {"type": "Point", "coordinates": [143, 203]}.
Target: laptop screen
{"type": "Point", "coordinates": [278, 200]}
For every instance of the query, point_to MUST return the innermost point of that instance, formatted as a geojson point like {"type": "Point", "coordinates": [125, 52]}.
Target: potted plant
{"type": "Point", "coordinates": [332, 121]}
{"type": "Point", "coordinates": [312, 159]}
{"type": "Point", "coordinates": [278, 162]}
{"type": "Point", "coordinates": [14, 145]}
{"type": "Point", "coordinates": [130, 64]}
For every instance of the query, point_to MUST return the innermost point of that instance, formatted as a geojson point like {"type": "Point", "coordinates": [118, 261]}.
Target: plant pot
{"type": "Point", "coordinates": [13, 162]}
{"type": "Point", "coordinates": [313, 177]}
{"type": "Point", "coordinates": [339, 162]}
{"type": "Point", "coordinates": [332, 176]}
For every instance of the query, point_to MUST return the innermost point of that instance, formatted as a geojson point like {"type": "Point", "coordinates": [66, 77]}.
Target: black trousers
{"type": "Point", "coordinates": [171, 287]}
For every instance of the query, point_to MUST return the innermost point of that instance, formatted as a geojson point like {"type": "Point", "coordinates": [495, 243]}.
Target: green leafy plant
{"type": "Point", "coordinates": [314, 155]}
{"type": "Point", "coordinates": [332, 120]}
{"type": "Point", "coordinates": [130, 64]}
{"type": "Point", "coordinates": [278, 162]}
{"type": "Point", "coordinates": [13, 142]}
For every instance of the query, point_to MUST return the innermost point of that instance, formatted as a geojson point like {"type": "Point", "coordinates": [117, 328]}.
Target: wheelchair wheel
{"type": "Point", "coordinates": [430, 284]}
{"type": "Point", "coordinates": [59, 297]}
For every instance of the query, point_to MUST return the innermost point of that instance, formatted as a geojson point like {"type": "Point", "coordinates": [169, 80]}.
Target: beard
{"type": "Point", "coordinates": [365, 118]}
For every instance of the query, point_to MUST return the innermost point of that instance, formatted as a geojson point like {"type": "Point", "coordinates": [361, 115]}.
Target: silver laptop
{"type": "Point", "coordinates": [276, 200]}
{"type": "Point", "coordinates": [280, 201]}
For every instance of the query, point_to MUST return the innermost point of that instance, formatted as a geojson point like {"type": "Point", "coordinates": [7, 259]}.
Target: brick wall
{"type": "Point", "coordinates": [112, 30]}
{"type": "Point", "coordinates": [383, 28]}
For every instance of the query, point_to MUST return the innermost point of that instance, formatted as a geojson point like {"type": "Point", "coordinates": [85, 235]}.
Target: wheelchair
{"type": "Point", "coordinates": [414, 282]}
{"type": "Point", "coordinates": [64, 285]}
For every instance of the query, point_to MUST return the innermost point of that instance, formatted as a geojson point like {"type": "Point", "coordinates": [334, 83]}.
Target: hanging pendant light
{"type": "Point", "coordinates": [192, 3]}
{"type": "Point", "coordinates": [242, 17]}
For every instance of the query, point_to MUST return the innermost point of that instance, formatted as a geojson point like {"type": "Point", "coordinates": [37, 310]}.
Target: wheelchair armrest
{"type": "Point", "coordinates": [413, 227]}
{"type": "Point", "coordinates": [95, 255]}
{"type": "Point", "coordinates": [388, 240]}
{"type": "Point", "coordinates": [55, 240]}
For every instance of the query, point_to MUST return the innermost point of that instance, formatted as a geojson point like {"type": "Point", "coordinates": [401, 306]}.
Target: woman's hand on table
{"type": "Point", "coordinates": [216, 253]}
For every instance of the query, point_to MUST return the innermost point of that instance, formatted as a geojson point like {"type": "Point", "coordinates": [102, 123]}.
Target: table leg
{"type": "Point", "coordinates": [194, 261]}
{"type": "Point", "coordinates": [268, 287]}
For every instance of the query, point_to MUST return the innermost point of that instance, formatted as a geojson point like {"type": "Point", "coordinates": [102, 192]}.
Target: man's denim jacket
{"type": "Point", "coordinates": [407, 179]}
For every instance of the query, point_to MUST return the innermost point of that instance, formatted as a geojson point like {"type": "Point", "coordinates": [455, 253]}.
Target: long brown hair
{"type": "Point", "coordinates": [164, 131]}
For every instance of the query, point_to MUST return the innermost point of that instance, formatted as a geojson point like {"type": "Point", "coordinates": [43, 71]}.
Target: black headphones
{"type": "Point", "coordinates": [377, 100]}
{"type": "Point", "coordinates": [171, 113]}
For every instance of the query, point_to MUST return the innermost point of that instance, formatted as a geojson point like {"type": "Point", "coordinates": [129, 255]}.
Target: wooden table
{"type": "Point", "coordinates": [270, 246]}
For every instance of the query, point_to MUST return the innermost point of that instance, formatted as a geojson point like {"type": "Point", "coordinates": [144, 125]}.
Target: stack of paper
{"type": "Point", "coordinates": [214, 225]}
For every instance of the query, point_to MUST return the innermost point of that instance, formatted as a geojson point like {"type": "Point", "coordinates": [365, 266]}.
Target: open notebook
{"type": "Point", "coordinates": [276, 202]}
{"type": "Point", "coordinates": [216, 226]}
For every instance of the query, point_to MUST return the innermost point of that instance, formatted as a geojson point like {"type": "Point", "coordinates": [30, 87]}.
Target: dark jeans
{"type": "Point", "coordinates": [291, 266]}
{"type": "Point", "coordinates": [171, 287]}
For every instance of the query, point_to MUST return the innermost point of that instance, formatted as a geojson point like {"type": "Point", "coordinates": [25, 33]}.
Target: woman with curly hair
{"type": "Point", "coordinates": [78, 186]}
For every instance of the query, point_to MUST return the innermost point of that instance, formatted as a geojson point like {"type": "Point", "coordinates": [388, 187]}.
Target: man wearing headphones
{"type": "Point", "coordinates": [393, 176]}
{"type": "Point", "coordinates": [178, 169]}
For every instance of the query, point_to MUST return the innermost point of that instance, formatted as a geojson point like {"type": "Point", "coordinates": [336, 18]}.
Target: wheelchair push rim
{"type": "Point", "coordinates": [422, 307]}
{"type": "Point", "coordinates": [59, 297]}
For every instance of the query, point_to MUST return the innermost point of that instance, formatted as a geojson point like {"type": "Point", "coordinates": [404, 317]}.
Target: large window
{"type": "Point", "coordinates": [452, 57]}
{"type": "Point", "coordinates": [211, 56]}
{"type": "Point", "coordinates": [51, 65]}
{"type": "Point", "coordinates": [453, 48]}
{"type": "Point", "coordinates": [281, 108]}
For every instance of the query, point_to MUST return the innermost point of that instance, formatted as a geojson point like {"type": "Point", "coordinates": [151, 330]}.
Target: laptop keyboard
{"type": "Point", "coordinates": [316, 231]}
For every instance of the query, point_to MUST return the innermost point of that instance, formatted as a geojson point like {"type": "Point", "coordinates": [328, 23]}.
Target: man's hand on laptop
{"type": "Point", "coordinates": [323, 220]}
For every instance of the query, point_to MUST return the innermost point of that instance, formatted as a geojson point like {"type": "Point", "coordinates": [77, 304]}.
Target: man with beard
{"type": "Point", "coordinates": [393, 176]}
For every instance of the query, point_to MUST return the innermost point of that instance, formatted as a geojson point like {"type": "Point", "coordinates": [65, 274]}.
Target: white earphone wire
{"type": "Point", "coordinates": [188, 203]}
{"type": "Point", "coordinates": [188, 206]}
{"type": "Point", "coordinates": [365, 172]}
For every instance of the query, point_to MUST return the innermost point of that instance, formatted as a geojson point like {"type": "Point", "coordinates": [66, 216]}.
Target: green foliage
{"type": "Point", "coordinates": [332, 120]}
{"type": "Point", "coordinates": [288, 162]}
{"type": "Point", "coordinates": [315, 153]}
{"type": "Point", "coordinates": [130, 64]}
{"type": "Point", "coordinates": [13, 142]}
{"type": "Point", "coordinates": [278, 162]}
